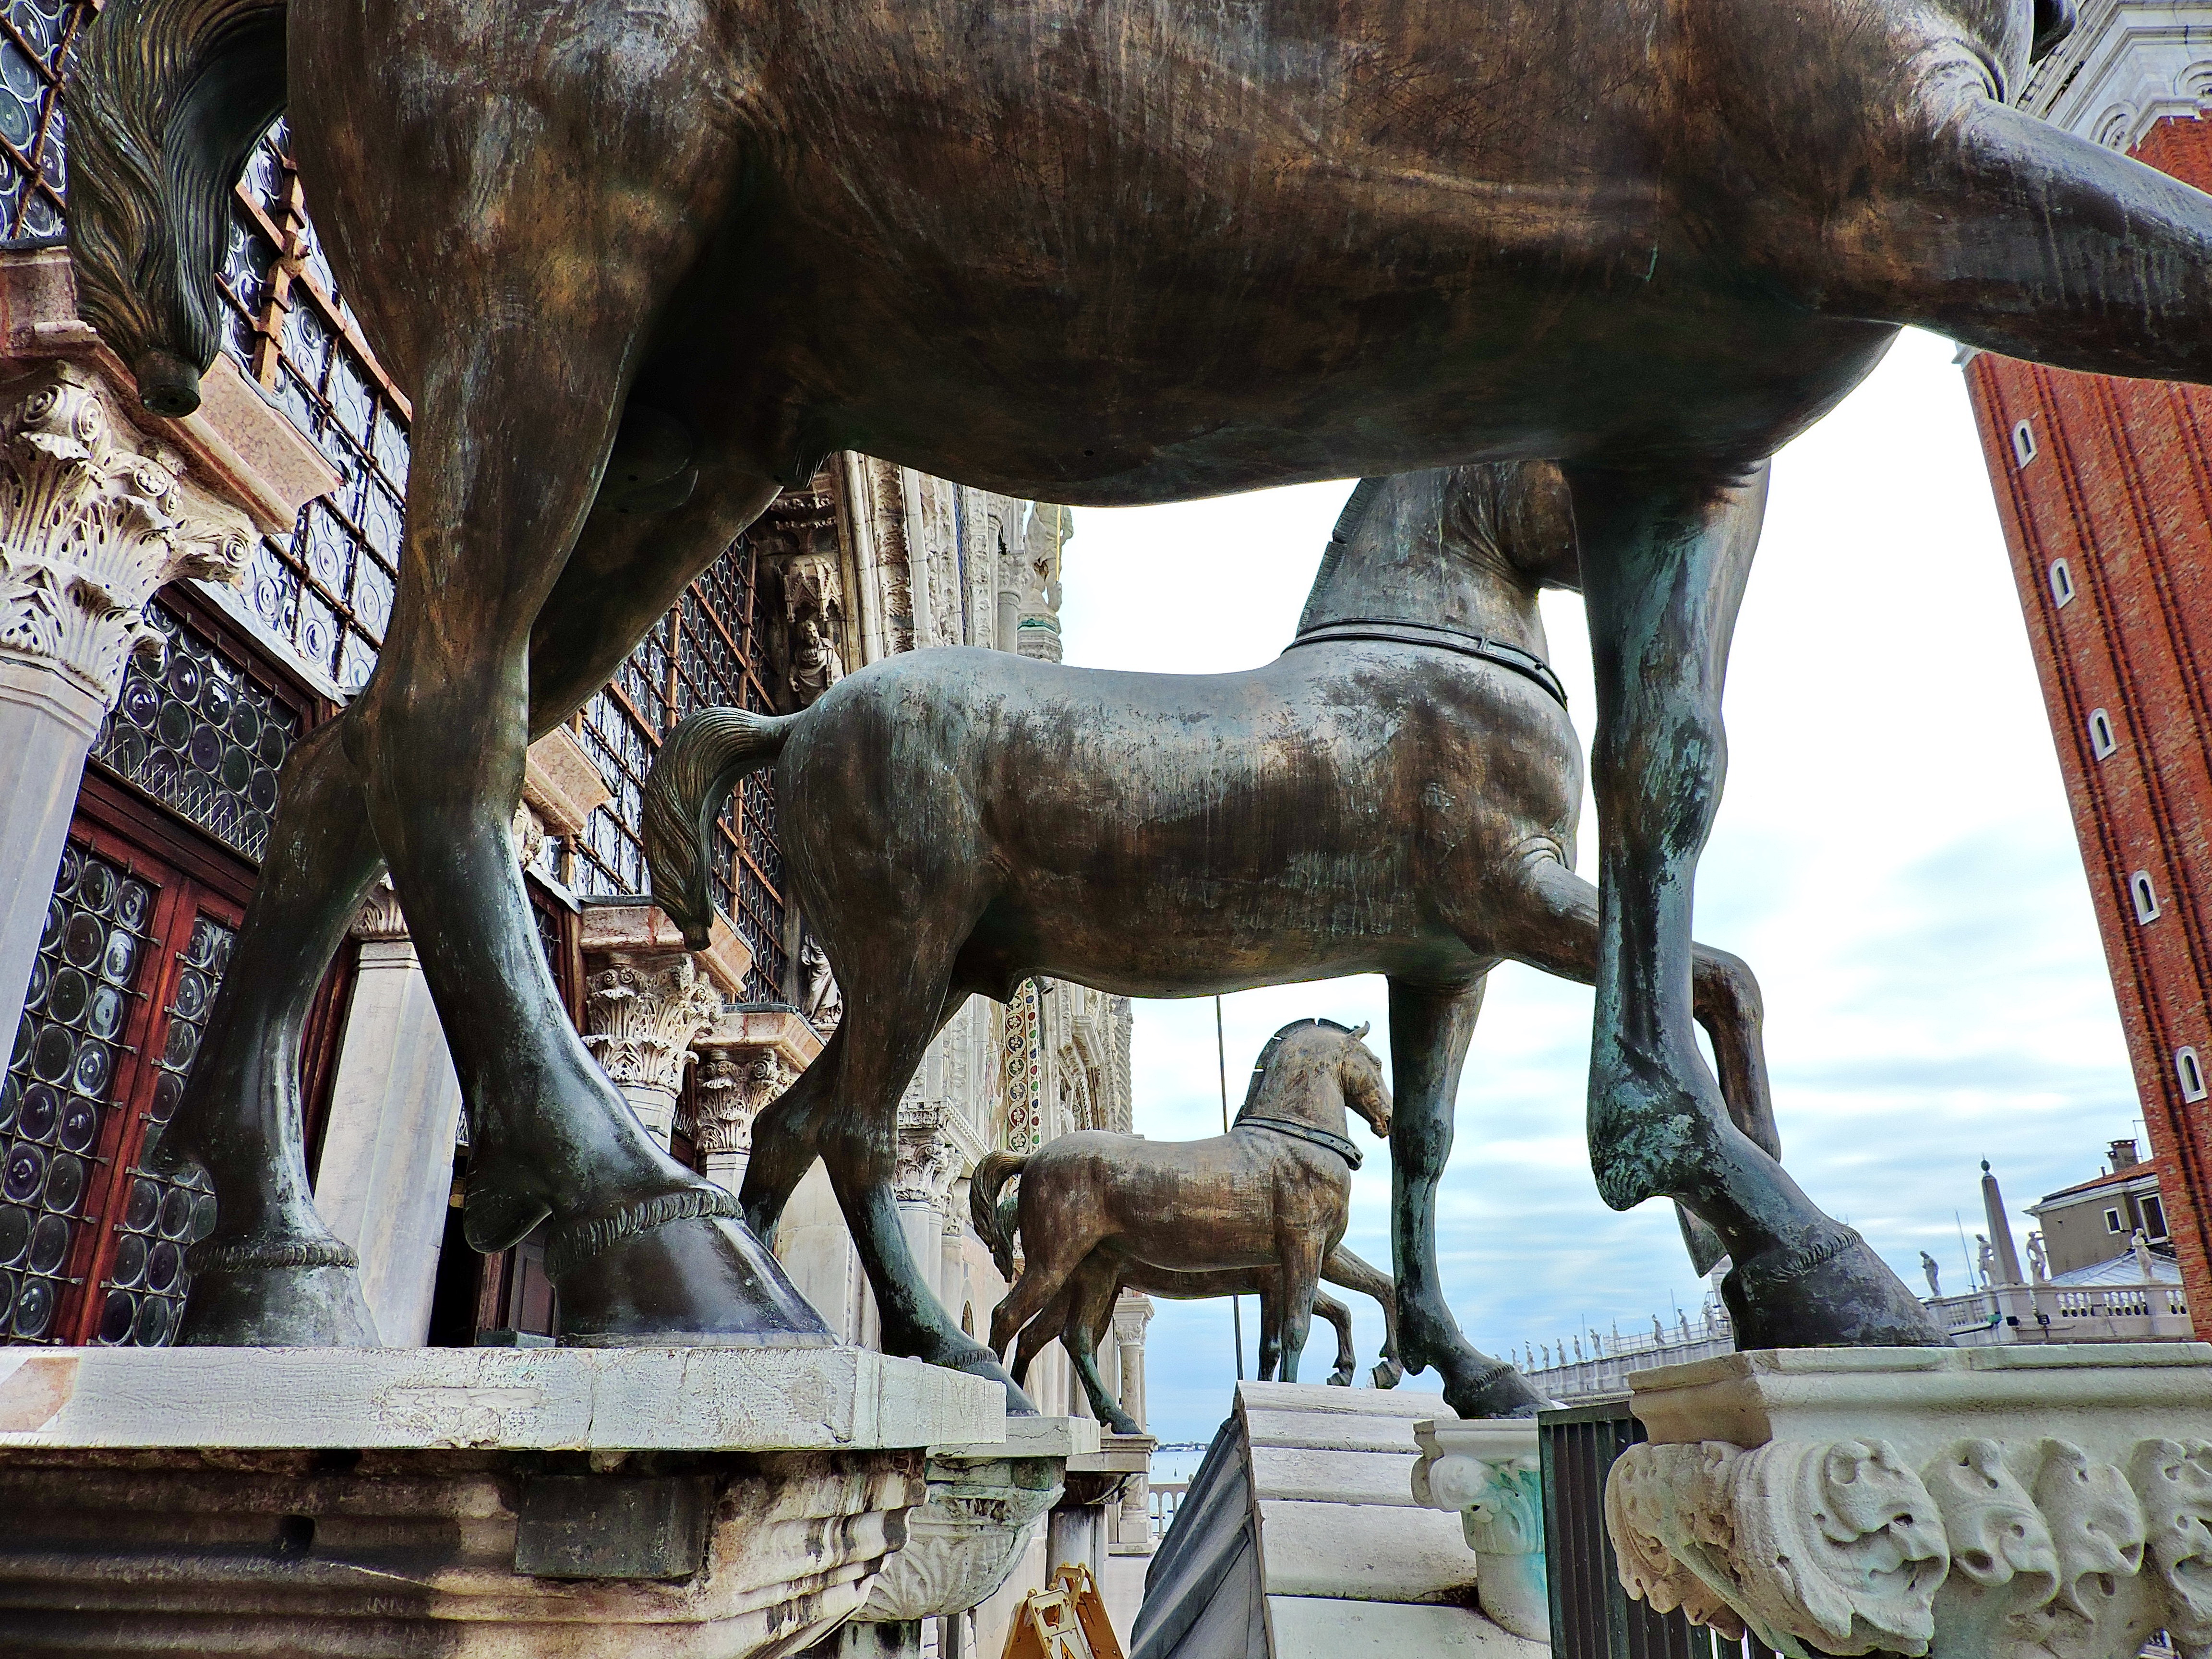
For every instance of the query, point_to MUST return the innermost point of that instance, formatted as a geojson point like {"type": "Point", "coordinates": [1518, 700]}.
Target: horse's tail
{"type": "Point", "coordinates": [168, 99]}
{"type": "Point", "coordinates": [703, 761]}
{"type": "Point", "coordinates": [996, 1219]}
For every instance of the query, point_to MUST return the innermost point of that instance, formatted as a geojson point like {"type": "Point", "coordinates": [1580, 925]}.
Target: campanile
{"type": "Point", "coordinates": [2105, 488]}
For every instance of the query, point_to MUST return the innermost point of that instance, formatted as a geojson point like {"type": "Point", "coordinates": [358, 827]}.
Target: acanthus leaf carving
{"type": "Point", "coordinates": [2031, 1549]}
{"type": "Point", "coordinates": [90, 526]}
{"type": "Point", "coordinates": [643, 1015]}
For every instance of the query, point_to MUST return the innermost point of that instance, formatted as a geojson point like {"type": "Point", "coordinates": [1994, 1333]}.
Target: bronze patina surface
{"type": "Point", "coordinates": [1269, 1198]}
{"type": "Point", "coordinates": [639, 261]}
{"type": "Point", "coordinates": [1396, 793]}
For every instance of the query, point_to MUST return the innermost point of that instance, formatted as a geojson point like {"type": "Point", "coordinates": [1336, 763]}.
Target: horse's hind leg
{"type": "Point", "coordinates": [1431, 1026]}
{"type": "Point", "coordinates": [1354, 1274]}
{"type": "Point", "coordinates": [1558, 932]}
{"type": "Point", "coordinates": [1348, 1355]}
{"type": "Point", "coordinates": [1090, 1305]}
{"type": "Point", "coordinates": [1663, 566]}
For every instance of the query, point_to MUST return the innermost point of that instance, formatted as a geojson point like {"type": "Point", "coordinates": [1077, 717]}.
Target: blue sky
{"type": "Point", "coordinates": [1894, 857]}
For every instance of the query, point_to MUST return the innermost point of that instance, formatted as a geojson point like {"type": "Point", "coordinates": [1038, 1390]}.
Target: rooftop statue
{"type": "Point", "coordinates": [1397, 792]}
{"type": "Point", "coordinates": [640, 266]}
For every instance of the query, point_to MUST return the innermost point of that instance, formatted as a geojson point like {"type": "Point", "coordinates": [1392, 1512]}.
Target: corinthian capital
{"type": "Point", "coordinates": [93, 520]}
{"type": "Point", "coordinates": [644, 1014]}
{"type": "Point", "coordinates": [928, 1162]}
{"type": "Point", "coordinates": [734, 1084]}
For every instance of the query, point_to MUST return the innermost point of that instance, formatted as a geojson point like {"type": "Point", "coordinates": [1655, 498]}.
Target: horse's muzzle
{"type": "Point", "coordinates": [168, 385]}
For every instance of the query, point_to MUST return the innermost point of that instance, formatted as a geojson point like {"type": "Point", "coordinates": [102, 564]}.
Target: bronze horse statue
{"type": "Point", "coordinates": [1192, 1206]}
{"type": "Point", "coordinates": [1397, 792]}
{"type": "Point", "coordinates": [641, 265]}
{"type": "Point", "coordinates": [1270, 1196]}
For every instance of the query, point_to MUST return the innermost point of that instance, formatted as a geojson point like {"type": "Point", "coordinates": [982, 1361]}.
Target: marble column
{"type": "Point", "coordinates": [645, 1002]}
{"type": "Point", "coordinates": [93, 520]}
{"type": "Point", "coordinates": [746, 1059]}
{"type": "Point", "coordinates": [388, 1151]}
{"type": "Point", "coordinates": [927, 1163]}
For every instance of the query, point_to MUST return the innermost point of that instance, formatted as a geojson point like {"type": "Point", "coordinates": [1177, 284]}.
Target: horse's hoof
{"type": "Point", "coordinates": [301, 1295]}
{"type": "Point", "coordinates": [1500, 1391]}
{"type": "Point", "coordinates": [1826, 1289]}
{"type": "Point", "coordinates": [1389, 1373]}
{"type": "Point", "coordinates": [1340, 1377]}
{"type": "Point", "coordinates": [677, 1268]}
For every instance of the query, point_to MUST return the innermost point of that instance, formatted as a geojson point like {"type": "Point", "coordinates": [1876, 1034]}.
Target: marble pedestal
{"type": "Point", "coordinates": [479, 1503]}
{"type": "Point", "coordinates": [1967, 1503]}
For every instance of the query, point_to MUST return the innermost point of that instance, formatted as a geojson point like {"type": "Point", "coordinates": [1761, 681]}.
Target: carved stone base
{"type": "Point", "coordinates": [2002, 1502]}
{"type": "Point", "coordinates": [1488, 1469]}
{"type": "Point", "coordinates": [984, 1503]}
{"type": "Point", "coordinates": [486, 1504]}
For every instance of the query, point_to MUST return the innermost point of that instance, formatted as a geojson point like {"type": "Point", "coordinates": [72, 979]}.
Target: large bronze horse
{"type": "Point", "coordinates": [1396, 793]}
{"type": "Point", "coordinates": [640, 263]}
{"type": "Point", "coordinates": [1271, 1195]}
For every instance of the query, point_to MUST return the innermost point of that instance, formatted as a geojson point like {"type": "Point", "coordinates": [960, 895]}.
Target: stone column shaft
{"type": "Point", "coordinates": [388, 1152]}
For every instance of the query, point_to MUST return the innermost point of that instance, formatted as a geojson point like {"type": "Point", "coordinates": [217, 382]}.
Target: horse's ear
{"type": "Point", "coordinates": [1354, 1036]}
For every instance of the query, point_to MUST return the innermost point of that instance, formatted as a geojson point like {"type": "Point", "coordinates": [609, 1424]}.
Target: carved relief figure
{"type": "Point", "coordinates": [998, 863]}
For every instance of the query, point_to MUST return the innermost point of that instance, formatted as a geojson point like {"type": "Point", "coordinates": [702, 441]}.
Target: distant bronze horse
{"type": "Point", "coordinates": [1272, 1195]}
{"type": "Point", "coordinates": [1396, 793]}
{"type": "Point", "coordinates": [1154, 1253]}
{"type": "Point", "coordinates": [640, 265]}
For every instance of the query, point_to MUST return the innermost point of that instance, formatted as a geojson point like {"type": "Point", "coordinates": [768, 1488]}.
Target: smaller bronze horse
{"type": "Point", "coordinates": [1396, 793]}
{"type": "Point", "coordinates": [1269, 1198]}
{"type": "Point", "coordinates": [1078, 1316]}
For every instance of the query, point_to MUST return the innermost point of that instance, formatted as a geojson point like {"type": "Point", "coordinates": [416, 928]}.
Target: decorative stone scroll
{"type": "Point", "coordinates": [92, 521]}
{"type": "Point", "coordinates": [1489, 1470]}
{"type": "Point", "coordinates": [2060, 1530]}
{"type": "Point", "coordinates": [644, 1017]}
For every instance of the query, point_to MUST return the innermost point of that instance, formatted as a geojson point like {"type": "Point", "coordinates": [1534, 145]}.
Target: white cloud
{"type": "Point", "coordinates": [1894, 857]}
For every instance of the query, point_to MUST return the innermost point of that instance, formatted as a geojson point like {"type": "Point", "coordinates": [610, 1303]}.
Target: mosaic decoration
{"type": "Point", "coordinates": [1021, 1056]}
{"type": "Point", "coordinates": [200, 738]}
{"type": "Point", "coordinates": [37, 45]}
{"type": "Point", "coordinates": [146, 1281]}
{"type": "Point", "coordinates": [59, 1090]}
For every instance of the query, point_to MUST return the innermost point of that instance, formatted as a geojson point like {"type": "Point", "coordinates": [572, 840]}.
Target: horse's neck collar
{"type": "Point", "coordinates": [1465, 641]}
{"type": "Point", "coordinates": [1288, 1126]}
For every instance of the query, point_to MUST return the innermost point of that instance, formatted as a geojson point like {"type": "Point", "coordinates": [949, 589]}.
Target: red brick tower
{"type": "Point", "coordinates": [2105, 488]}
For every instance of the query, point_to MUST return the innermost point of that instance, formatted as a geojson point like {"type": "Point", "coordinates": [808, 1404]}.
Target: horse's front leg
{"type": "Point", "coordinates": [1431, 1026]}
{"type": "Point", "coordinates": [1294, 1302]}
{"type": "Point", "coordinates": [1664, 561]}
{"type": "Point", "coordinates": [1354, 1274]}
{"type": "Point", "coordinates": [1348, 1355]}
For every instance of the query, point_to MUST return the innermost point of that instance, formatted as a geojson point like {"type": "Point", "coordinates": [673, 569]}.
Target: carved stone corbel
{"type": "Point", "coordinates": [2010, 1506]}
{"type": "Point", "coordinates": [642, 1016]}
{"type": "Point", "coordinates": [748, 1057]}
{"type": "Point", "coordinates": [1491, 1473]}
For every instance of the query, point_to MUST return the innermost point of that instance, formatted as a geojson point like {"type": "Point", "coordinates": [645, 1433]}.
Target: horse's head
{"type": "Point", "coordinates": [1359, 1073]}
{"type": "Point", "coordinates": [168, 99]}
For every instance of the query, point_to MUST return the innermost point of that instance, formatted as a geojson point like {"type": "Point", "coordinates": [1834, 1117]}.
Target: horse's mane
{"type": "Point", "coordinates": [1347, 525]}
{"type": "Point", "coordinates": [1267, 1055]}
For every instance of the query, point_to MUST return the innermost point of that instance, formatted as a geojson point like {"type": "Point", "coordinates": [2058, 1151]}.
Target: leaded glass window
{"type": "Point", "coordinates": [61, 1080]}
{"type": "Point", "coordinates": [705, 652]}
{"type": "Point", "coordinates": [38, 43]}
{"type": "Point", "coordinates": [142, 1292]}
{"type": "Point", "coordinates": [328, 590]}
{"type": "Point", "coordinates": [198, 736]}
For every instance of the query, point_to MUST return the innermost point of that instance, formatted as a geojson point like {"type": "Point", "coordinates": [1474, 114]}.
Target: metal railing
{"type": "Point", "coordinates": [1592, 1617]}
